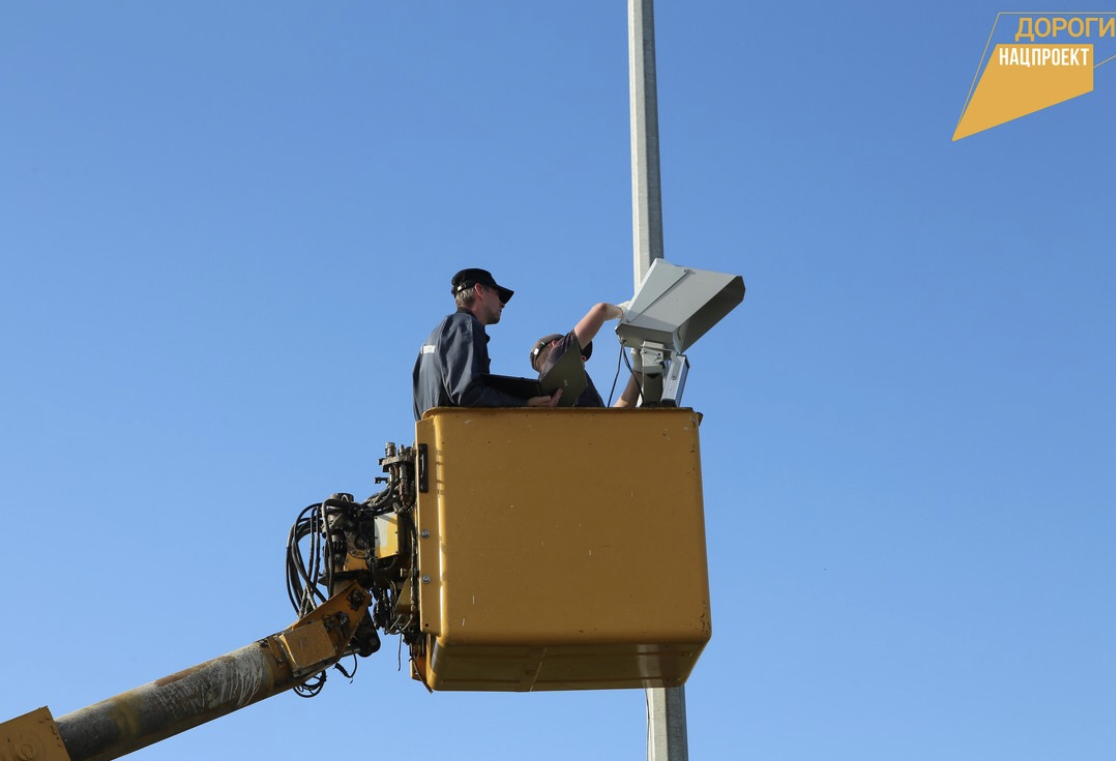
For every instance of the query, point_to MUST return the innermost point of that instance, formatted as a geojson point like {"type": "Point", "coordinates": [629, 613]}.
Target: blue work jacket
{"type": "Point", "coordinates": [451, 368]}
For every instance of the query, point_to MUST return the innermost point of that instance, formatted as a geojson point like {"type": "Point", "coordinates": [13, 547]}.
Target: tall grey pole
{"type": "Point", "coordinates": [647, 196]}
{"type": "Point", "coordinates": [666, 708]}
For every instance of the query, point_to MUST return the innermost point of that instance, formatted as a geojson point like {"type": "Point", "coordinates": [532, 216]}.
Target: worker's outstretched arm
{"type": "Point", "coordinates": [591, 323]}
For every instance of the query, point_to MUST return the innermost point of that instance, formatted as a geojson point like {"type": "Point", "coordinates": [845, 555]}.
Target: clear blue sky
{"type": "Point", "coordinates": [225, 229]}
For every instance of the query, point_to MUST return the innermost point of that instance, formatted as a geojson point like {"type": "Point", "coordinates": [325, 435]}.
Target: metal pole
{"type": "Point", "coordinates": [666, 708]}
{"type": "Point", "coordinates": [647, 196]}
{"type": "Point", "coordinates": [666, 724]}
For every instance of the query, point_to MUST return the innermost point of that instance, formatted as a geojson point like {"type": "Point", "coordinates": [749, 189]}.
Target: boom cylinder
{"type": "Point", "coordinates": [155, 711]}
{"type": "Point", "coordinates": [182, 701]}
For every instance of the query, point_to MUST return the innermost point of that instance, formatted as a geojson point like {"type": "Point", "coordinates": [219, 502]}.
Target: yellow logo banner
{"type": "Point", "coordinates": [1022, 78]}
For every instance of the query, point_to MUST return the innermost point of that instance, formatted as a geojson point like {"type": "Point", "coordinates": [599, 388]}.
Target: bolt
{"type": "Point", "coordinates": [26, 752]}
{"type": "Point", "coordinates": [425, 534]}
{"type": "Point", "coordinates": [425, 579]}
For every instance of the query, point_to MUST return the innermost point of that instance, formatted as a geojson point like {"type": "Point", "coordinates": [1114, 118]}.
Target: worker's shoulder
{"type": "Point", "coordinates": [454, 328]}
{"type": "Point", "coordinates": [459, 323]}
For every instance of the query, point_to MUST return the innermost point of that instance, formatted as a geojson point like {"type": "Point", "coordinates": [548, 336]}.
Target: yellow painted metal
{"type": "Point", "coordinates": [32, 737]}
{"type": "Point", "coordinates": [561, 549]}
{"type": "Point", "coordinates": [320, 638]}
{"type": "Point", "coordinates": [387, 536]}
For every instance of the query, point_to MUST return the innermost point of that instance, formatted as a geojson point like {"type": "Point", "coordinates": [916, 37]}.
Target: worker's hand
{"type": "Point", "coordinates": [623, 306]}
{"type": "Point", "coordinates": [545, 401]}
{"type": "Point", "coordinates": [613, 311]}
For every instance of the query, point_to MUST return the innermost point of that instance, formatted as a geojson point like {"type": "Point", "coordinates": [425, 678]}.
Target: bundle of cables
{"type": "Point", "coordinates": [316, 539]}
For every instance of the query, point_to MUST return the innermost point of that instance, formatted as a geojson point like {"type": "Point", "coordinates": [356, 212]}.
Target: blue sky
{"type": "Point", "coordinates": [227, 228]}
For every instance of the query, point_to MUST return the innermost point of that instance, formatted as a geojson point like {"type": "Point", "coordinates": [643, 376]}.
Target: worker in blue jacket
{"type": "Point", "coordinates": [453, 362]}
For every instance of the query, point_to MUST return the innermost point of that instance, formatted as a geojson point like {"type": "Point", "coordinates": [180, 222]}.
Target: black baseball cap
{"type": "Point", "coordinates": [472, 276]}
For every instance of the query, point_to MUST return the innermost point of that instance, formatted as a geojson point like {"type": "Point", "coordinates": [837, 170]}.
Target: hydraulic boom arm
{"type": "Point", "coordinates": [182, 701]}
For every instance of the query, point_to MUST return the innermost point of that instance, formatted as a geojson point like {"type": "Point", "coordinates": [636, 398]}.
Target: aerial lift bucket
{"type": "Point", "coordinates": [560, 549]}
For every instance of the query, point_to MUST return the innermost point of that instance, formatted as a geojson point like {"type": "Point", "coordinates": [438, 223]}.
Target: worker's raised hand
{"type": "Point", "coordinates": [545, 401]}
